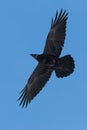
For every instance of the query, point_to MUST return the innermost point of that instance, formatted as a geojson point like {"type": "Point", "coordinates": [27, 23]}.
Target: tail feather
{"type": "Point", "coordinates": [65, 66]}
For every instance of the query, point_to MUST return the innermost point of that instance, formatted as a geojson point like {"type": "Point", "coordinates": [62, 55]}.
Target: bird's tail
{"type": "Point", "coordinates": [65, 66]}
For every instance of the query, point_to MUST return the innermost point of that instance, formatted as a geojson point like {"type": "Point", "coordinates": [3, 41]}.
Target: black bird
{"type": "Point", "coordinates": [49, 60]}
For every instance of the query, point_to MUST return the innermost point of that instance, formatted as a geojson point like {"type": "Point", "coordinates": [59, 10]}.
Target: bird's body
{"type": "Point", "coordinates": [49, 60]}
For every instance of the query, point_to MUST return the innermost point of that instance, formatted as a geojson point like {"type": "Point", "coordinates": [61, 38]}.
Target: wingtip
{"type": "Point", "coordinates": [59, 16]}
{"type": "Point", "coordinates": [23, 101]}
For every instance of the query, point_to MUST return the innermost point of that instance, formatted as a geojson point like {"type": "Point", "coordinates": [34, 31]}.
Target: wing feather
{"type": "Point", "coordinates": [56, 36]}
{"type": "Point", "coordinates": [35, 83]}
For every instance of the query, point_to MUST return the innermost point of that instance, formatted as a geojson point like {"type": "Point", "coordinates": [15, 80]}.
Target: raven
{"type": "Point", "coordinates": [49, 60]}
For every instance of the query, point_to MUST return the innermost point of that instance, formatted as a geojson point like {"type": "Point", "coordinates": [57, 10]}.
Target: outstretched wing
{"type": "Point", "coordinates": [56, 36]}
{"type": "Point", "coordinates": [35, 83]}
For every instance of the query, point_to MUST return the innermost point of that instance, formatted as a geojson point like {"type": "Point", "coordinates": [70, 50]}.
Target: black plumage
{"type": "Point", "coordinates": [49, 60]}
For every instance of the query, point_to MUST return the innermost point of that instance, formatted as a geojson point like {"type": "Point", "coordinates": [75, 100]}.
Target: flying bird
{"type": "Point", "coordinates": [49, 60]}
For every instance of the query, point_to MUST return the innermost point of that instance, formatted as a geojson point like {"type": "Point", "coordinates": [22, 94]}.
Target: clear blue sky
{"type": "Point", "coordinates": [62, 104]}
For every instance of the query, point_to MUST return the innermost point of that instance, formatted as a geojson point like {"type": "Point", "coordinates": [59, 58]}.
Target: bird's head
{"type": "Point", "coordinates": [38, 57]}
{"type": "Point", "coordinates": [35, 56]}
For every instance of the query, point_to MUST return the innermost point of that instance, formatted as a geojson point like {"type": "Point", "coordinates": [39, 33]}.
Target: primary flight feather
{"type": "Point", "coordinates": [49, 60]}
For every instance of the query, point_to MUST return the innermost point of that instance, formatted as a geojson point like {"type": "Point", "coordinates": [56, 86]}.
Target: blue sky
{"type": "Point", "coordinates": [62, 104]}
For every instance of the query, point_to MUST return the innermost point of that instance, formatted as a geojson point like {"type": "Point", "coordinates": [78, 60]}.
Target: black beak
{"type": "Point", "coordinates": [34, 56]}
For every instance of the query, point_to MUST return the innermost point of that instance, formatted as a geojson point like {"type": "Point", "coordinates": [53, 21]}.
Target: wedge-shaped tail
{"type": "Point", "coordinates": [65, 66]}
